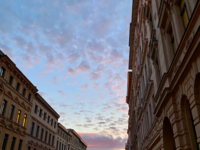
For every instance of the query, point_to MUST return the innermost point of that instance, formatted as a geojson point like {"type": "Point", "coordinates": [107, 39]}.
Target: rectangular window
{"type": "Point", "coordinates": [3, 107]}
{"type": "Point", "coordinates": [5, 142]}
{"type": "Point", "coordinates": [60, 146]}
{"type": "Point", "coordinates": [13, 143]}
{"type": "Point", "coordinates": [12, 108]}
{"type": "Point", "coordinates": [41, 137]}
{"type": "Point", "coordinates": [45, 137]}
{"type": "Point", "coordinates": [32, 128]}
{"type": "Point", "coordinates": [48, 119]}
{"type": "Point", "coordinates": [11, 80]}
{"type": "Point", "coordinates": [20, 144]}
{"type": "Point", "coordinates": [36, 108]}
{"type": "Point", "coordinates": [184, 13]}
{"type": "Point", "coordinates": [49, 138]}
{"type": "Point", "coordinates": [44, 116]}
{"type": "Point", "coordinates": [55, 124]}
{"type": "Point", "coordinates": [173, 41]}
{"type": "Point", "coordinates": [38, 128]}
{"type": "Point", "coordinates": [25, 119]}
{"type": "Point", "coordinates": [51, 122]}
{"type": "Point", "coordinates": [24, 92]}
{"type": "Point", "coordinates": [2, 71]}
{"type": "Point", "coordinates": [40, 114]}
{"type": "Point", "coordinates": [57, 145]}
{"type": "Point", "coordinates": [18, 86]}
{"type": "Point", "coordinates": [29, 148]}
{"type": "Point", "coordinates": [18, 116]}
{"type": "Point", "coordinates": [29, 97]}
{"type": "Point", "coordinates": [52, 140]}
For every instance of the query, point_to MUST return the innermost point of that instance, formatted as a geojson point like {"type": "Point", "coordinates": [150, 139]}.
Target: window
{"type": "Point", "coordinates": [44, 116]}
{"type": "Point", "coordinates": [18, 86]}
{"type": "Point", "coordinates": [32, 128]}
{"type": "Point", "coordinates": [29, 148]}
{"type": "Point", "coordinates": [46, 136]}
{"type": "Point", "coordinates": [12, 108]}
{"type": "Point", "coordinates": [36, 107]}
{"type": "Point", "coordinates": [172, 41]}
{"type": "Point", "coordinates": [20, 144]}
{"type": "Point", "coordinates": [24, 92]}
{"type": "Point", "coordinates": [48, 119]}
{"type": "Point", "coordinates": [40, 114]}
{"type": "Point", "coordinates": [5, 142]}
{"type": "Point", "coordinates": [18, 116]}
{"type": "Point", "coordinates": [2, 71]}
{"type": "Point", "coordinates": [51, 122]}
{"type": "Point", "coordinates": [41, 137]}
{"type": "Point", "coordinates": [53, 140]}
{"type": "Point", "coordinates": [13, 143]}
{"type": "Point", "coordinates": [49, 138]}
{"type": "Point", "coordinates": [55, 124]}
{"type": "Point", "coordinates": [57, 145]}
{"type": "Point", "coordinates": [38, 128]}
{"type": "Point", "coordinates": [3, 107]}
{"type": "Point", "coordinates": [29, 97]}
{"type": "Point", "coordinates": [60, 146]}
{"type": "Point", "coordinates": [11, 80]}
{"type": "Point", "coordinates": [184, 13]}
{"type": "Point", "coordinates": [25, 119]}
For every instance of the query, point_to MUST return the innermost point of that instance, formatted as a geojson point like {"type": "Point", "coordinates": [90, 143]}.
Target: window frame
{"type": "Point", "coordinates": [24, 120]}
{"type": "Point", "coordinates": [2, 72]}
{"type": "Point", "coordinates": [18, 86]}
{"type": "Point", "coordinates": [18, 116]}
{"type": "Point", "coordinates": [184, 10]}
{"type": "Point", "coordinates": [12, 109]}
{"type": "Point", "coordinates": [11, 80]}
{"type": "Point", "coordinates": [3, 107]}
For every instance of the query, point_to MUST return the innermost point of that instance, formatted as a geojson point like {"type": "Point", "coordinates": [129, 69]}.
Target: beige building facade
{"type": "Point", "coordinates": [76, 142]}
{"type": "Point", "coordinates": [63, 138]}
{"type": "Point", "coordinates": [16, 100]}
{"type": "Point", "coordinates": [43, 126]}
{"type": "Point", "coordinates": [163, 91]}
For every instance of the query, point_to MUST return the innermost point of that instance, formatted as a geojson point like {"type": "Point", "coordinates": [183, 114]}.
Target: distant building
{"type": "Point", "coordinates": [163, 91]}
{"type": "Point", "coordinates": [16, 100]}
{"type": "Point", "coordinates": [43, 126]}
{"type": "Point", "coordinates": [76, 142]}
{"type": "Point", "coordinates": [63, 138]}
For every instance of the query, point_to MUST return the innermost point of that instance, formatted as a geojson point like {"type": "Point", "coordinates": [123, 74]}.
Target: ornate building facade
{"type": "Point", "coordinates": [16, 100]}
{"type": "Point", "coordinates": [43, 126]}
{"type": "Point", "coordinates": [163, 91]}
{"type": "Point", "coordinates": [63, 138]}
{"type": "Point", "coordinates": [76, 142]}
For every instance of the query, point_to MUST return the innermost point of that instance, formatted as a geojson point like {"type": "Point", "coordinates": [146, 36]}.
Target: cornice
{"type": "Point", "coordinates": [13, 68]}
{"type": "Point", "coordinates": [40, 99]}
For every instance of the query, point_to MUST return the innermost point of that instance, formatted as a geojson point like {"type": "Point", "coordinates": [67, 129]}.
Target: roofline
{"type": "Point", "coordinates": [62, 126]}
{"type": "Point", "coordinates": [5, 56]}
{"type": "Point", "coordinates": [41, 99]}
{"type": "Point", "coordinates": [78, 136]}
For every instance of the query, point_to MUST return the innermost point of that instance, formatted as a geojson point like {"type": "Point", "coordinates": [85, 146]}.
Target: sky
{"type": "Point", "coordinates": [76, 53]}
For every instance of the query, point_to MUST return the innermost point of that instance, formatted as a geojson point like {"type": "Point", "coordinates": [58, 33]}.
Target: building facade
{"type": "Point", "coordinates": [63, 138]}
{"type": "Point", "coordinates": [43, 126]}
{"type": "Point", "coordinates": [16, 100]}
{"type": "Point", "coordinates": [163, 88]}
{"type": "Point", "coordinates": [76, 142]}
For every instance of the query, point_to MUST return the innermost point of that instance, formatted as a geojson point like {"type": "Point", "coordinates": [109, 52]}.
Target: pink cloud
{"type": "Point", "coordinates": [100, 142]}
{"type": "Point", "coordinates": [85, 87]}
{"type": "Point", "coordinates": [83, 67]}
{"type": "Point", "coordinates": [62, 93]}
